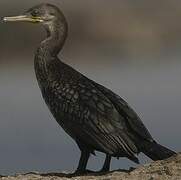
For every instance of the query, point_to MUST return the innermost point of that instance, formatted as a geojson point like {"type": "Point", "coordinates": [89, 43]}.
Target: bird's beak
{"type": "Point", "coordinates": [23, 18]}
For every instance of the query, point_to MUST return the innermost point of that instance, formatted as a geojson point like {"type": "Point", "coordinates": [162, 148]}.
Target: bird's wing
{"type": "Point", "coordinates": [127, 112]}
{"type": "Point", "coordinates": [91, 114]}
{"type": "Point", "coordinates": [101, 122]}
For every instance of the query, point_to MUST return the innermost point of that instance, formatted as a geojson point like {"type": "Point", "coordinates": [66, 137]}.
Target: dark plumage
{"type": "Point", "coordinates": [94, 116]}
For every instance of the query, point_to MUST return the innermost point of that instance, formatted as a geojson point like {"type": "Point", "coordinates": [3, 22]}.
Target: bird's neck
{"type": "Point", "coordinates": [56, 36]}
{"type": "Point", "coordinates": [48, 49]}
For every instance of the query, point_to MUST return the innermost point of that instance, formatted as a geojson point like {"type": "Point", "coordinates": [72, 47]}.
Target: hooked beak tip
{"type": "Point", "coordinates": [4, 19]}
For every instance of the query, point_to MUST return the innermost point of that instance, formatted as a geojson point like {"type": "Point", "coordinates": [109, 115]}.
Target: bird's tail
{"type": "Point", "coordinates": [156, 151]}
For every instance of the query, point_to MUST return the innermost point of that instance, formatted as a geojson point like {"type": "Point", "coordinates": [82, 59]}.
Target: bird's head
{"type": "Point", "coordinates": [43, 13]}
{"type": "Point", "coordinates": [51, 18]}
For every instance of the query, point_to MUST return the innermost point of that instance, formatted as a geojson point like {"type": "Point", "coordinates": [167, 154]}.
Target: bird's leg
{"type": "Point", "coordinates": [81, 169]}
{"type": "Point", "coordinates": [106, 165]}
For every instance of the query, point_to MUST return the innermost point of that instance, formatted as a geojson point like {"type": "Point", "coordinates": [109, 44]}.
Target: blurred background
{"type": "Point", "coordinates": [131, 46]}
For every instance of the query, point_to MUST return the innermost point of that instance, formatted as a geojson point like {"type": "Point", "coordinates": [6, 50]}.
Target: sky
{"type": "Point", "coordinates": [131, 47]}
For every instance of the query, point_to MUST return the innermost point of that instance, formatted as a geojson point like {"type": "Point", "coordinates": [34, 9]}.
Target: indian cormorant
{"type": "Point", "coordinates": [94, 116]}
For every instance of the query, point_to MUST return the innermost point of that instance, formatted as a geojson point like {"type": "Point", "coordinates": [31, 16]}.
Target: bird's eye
{"type": "Point", "coordinates": [35, 12]}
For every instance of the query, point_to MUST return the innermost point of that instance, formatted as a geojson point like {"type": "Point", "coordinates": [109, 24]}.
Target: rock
{"type": "Point", "coordinates": [169, 169]}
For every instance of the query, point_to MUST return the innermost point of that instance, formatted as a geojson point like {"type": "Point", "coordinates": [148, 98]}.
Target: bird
{"type": "Point", "coordinates": [93, 115]}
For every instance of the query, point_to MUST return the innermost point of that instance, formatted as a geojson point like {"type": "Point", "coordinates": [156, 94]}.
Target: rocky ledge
{"type": "Point", "coordinates": [169, 169]}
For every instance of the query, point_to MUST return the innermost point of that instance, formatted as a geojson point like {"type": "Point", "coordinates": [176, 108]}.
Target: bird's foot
{"type": "Point", "coordinates": [104, 170]}
{"type": "Point", "coordinates": [132, 168]}
{"type": "Point", "coordinates": [83, 172]}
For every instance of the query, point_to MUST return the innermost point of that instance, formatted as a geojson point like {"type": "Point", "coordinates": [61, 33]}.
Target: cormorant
{"type": "Point", "coordinates": [94, 116]}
